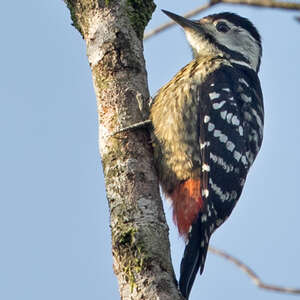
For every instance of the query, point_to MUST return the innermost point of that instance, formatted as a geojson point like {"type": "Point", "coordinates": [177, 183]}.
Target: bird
{"type": "Point", "coordinates": [207, 129]}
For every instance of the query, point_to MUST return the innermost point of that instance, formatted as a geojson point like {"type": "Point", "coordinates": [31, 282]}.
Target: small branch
{"type": "Point", "coordinates": [165, 26]}
{"type": "Point", "coordinates": [256, 280]}
{"type": "Point", "coordinates": [257, 3]}
{"type": "Point", "coordinates": [139, 125]}
{"type": "Point", "coordinates": [264, 3]}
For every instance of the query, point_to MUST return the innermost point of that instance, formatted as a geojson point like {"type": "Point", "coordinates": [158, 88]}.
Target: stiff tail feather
{"type": "Point", "coordinates": [193, 259]}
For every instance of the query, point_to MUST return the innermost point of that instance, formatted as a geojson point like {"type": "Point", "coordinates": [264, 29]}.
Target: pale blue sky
{"type": "Point", "coordinates": [54, 222]}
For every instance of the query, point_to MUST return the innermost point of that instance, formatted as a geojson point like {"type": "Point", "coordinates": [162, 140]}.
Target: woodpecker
{"type": "Point", "coordinates": [207, 130]}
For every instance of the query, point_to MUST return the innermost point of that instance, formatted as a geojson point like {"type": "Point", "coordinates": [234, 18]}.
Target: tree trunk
{"type": "Point", "coordinates": [113, 31]}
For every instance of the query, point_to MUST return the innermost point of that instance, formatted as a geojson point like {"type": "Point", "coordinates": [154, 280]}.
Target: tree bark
{"type": "Point", "coordinates": [113, 31]}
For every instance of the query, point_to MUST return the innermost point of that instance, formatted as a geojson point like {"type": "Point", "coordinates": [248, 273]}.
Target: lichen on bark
{"type": "Point", "coordinates": [80, 11]}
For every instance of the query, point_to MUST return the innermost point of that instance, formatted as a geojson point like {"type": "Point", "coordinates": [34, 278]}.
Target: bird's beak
{"type": "Point", "coordinates": [185, 23]}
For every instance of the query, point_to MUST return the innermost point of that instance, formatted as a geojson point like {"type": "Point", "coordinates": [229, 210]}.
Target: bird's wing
{"type": "Point", "coordinates": [222, 146]}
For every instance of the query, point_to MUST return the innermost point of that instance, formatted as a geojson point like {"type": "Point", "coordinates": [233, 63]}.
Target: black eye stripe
{"type": "Point", "coordinates": [222, 27]}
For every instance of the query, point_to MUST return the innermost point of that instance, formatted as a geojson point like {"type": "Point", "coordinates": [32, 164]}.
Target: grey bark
{"type": "Point", "coordinates": [113, 32]}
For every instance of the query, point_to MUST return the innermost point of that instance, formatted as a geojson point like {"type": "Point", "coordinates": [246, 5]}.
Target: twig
{"type": "Point", "coordinates": [264, 3]}
{"type": "Point", "coordinates": [256, 280]}
{"type": "Point", "coordinates": [258, 3]}
{"type": "Point", "coordinates": [135, 126]}
{"type": "Point", "coordinates": [165, 26]}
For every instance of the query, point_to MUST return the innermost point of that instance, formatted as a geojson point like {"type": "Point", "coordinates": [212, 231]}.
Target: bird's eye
{"type": "Point", "coordinates": [222, 27]}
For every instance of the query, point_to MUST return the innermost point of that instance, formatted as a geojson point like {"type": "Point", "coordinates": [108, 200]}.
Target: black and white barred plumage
{"type": "Point", "coordinates": [208, 129]}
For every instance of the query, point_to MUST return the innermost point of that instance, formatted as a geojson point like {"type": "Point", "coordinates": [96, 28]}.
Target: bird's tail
{"type": "Point", "coordinates": [193, 258]}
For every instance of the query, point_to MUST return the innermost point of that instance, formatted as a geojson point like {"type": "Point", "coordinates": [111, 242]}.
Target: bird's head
{"type": "Point", "coordinates": [225, 34]}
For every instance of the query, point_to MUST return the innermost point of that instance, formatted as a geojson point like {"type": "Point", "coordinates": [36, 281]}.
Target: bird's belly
{"type": "Point", "coordinates": [177, 159]}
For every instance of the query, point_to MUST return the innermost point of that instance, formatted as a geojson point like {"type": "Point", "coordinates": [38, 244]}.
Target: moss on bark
{"type": "Point", "coordinates": [132, 252]}
{"type": "Point", "coordinates": [140, 13]}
